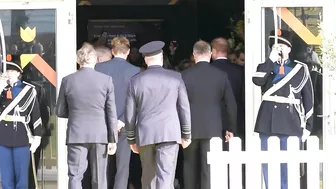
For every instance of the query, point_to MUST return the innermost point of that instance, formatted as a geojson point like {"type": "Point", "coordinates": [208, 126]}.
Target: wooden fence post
{"type": "Point", "coordinates": [253, 170]}
{"type": "Point", "coordinates": [274, 168]}
{"type": "Point", "coordinates": [235, 168]}
{"type": "Point", "coordinates": [218, 165]}
{"type": "Point", "coordinates": [293, 145]}
{"type": "Point", "coordinates": [313, 168]}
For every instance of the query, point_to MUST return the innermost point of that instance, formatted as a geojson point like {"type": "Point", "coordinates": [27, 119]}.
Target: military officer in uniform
{"type": "Point", "coordinates": [157, 118]}
{"type": "Point", "coordinates": [287, 98]}
{"type": "Point", "coordinates": [20, 127]}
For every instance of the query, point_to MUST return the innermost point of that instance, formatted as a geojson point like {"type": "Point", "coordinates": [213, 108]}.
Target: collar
{"type": "Point", "coordinates": [119, 58]}
{"type": "Point", "coordinates": [154, 66]}
{"type": "Point", "coordinates": [89, 66]}
{"type": "Point", "coordinates": [286, 62]}
{"type": "Point", "coordinates": [16, 84]}
{"type": "Point", "coordinates": [221, 58]}
{"type": "Point", "coordinates": [202, 62]}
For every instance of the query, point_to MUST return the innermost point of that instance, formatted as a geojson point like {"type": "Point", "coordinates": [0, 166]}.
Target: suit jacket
{"type": "Point", "coordinates": [157, 107]}
{"type": "Point", "coordinates": [86, 98]}
{"type": "Point", "coordinates": [121, 71]}
{"type": "Point", "coordinates": [209, 91]}
{"type": "Point", "coordinates": [236, 77]}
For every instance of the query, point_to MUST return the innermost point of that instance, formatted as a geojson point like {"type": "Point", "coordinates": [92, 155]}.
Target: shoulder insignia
{"type": "Point", "coordinates": [298, 62]}
{"type": "Point", "coordinates": [29, 84]}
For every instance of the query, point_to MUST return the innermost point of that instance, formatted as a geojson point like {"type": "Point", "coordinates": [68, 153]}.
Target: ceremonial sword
{"type": "Point", "coordinates": [3, 45]}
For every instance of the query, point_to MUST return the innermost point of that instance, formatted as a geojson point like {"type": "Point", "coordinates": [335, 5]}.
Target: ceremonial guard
{"type": "Point", "coordinates": [20, 127]}
{"type": "Point", "coordinates": [157, 118]}
{"type": "Point", "coordinates": [287, 98]}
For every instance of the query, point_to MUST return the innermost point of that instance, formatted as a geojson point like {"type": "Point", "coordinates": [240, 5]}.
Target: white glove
{"type": "Point", "coordinates": [305, 135]}
{"type": "Point", "coordinates": [120, 125]}
{"type": "Point", "coordinates": [3, 83]}
{"type": "Point", "coordinates": [111, 148]}
{"type": "Point", "coordinates": [274, 55]}
{"type": "Point", "coordinates": [35, 144]}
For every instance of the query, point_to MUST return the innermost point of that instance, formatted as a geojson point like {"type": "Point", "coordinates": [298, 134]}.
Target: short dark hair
{"type": "Point", "coordinates": [201, 47]}
{"type": "Point", "coordinates": [220, 44]}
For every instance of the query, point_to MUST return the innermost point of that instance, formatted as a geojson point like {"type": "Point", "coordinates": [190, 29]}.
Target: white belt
{"type": "Point", "coordinates": [15, 118]}
{"type": "Point", "coordinates": [280, 99]}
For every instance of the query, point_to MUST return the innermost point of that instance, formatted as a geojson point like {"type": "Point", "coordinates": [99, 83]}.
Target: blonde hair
{"type": "Point", "coordinates": [201, 48]}
{"type": "Point", "coordinates": [120, 45]}
{"type": "Point", "coordinates": [86, 54]}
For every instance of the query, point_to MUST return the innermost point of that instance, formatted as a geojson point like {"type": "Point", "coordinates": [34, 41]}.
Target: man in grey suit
{"type": "Point", "coordinates": [121, 71]}
{"type": "Point", "coordinates": [157, 118]}
{"type": "Point", "coordinates": [86, 98]}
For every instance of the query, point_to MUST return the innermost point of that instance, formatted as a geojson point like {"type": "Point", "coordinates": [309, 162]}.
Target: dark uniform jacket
{"type": "Point", "coordinates": [209, 91]}
{"type": "Point", "coordinates": [23, 119]}
{"type": "Point", "coordinates": [236, 77]}
{"type": "Point", "coordinates": [290, 108]}
{"type": "Point", "coordinates": [157, 107]}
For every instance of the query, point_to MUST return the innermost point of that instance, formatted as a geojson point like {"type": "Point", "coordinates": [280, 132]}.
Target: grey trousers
{"type": "Point", "coordinates": [158, 163]}
{"type": "Point", "coordinates": [77, 165]}
{"type": "Point", "coordinates": [123, 157]}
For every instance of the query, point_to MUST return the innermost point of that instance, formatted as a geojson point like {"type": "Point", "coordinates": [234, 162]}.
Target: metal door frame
{"type": "Point", "coordinates": [254, 53]}
{"type": "Point", "coordinates": [65, 62]}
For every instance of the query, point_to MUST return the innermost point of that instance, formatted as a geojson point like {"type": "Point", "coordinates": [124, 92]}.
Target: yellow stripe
{"type": "Point", "coordinates": [84, 3]}
{"type": "Point", "coordinates": [296, 25]}
{"type": "Point", "coordinates": [172, 2]}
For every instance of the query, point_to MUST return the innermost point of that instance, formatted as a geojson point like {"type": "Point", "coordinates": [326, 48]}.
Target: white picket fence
{"type": "Point", "coordinates": [253, 158]}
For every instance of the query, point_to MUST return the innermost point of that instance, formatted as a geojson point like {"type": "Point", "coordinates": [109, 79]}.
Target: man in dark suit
{"type": "Point", "coordinates": [236, 76]}
{"type": "Point", "coordinates": [121, 71]}
{"type": "Point", "coordinates": [157, 118]}
{"type": "Point", "coordinates": [209, 91]}
{"type": "Point", "coordinates": [87, 99]}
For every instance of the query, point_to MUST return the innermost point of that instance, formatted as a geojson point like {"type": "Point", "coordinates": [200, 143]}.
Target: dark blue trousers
{"type": "Point", "coordinates": [283, 168]}
{"type": "Point", "coordinates": [14, 167]}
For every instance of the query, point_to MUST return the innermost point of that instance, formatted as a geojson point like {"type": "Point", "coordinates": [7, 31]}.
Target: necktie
{"type": "Point", "coordinates": [281, 69]}
{"type": "Point", "coordinates": [9, 94]}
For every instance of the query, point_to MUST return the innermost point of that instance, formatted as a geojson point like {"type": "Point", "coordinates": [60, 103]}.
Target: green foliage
{"type": "Point", "coordinates": [328, 35]}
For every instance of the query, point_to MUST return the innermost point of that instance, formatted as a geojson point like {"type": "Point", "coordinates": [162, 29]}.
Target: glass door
{"type": "Point", "coordinates": [42, 34]}
{"type": "Point", "coordinates": [303, 18]}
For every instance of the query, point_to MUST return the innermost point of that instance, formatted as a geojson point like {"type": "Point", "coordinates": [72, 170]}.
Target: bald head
{"type": "Point", "coordinates": [154, 60]}
{"type": "Point", "coordinates": [220, 48]}
{"type": "Point", "coordinates": [104, 54]}
{"type": "Point", "coordinates": [202, 51]}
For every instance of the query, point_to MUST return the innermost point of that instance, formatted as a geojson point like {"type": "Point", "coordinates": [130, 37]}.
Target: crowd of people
{"type": "Point", "coordinates": [125, 64]}
{"type": "Point", "coordinates": [140, 118]}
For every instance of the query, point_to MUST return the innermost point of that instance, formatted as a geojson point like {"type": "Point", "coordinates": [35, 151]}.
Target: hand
{"type": "Point", "coordinates": [3, 81]}
{"type": "Point", "coordinates": [305, 135]}
{"type": "Point", "coordinates": [274, 55]}
{"type": "Point", "coordinates": [134, 148]}
{"type": "Point", "coordinates": [35, 144]}
{"type": "Point", "coordinates": [120, 125]}
{"type": "Point", "coordinates": [185, 142]}
{"type": "Point", "coordinates": [228, 136]}
{"type": "Point", "coordinates": [111, 148]}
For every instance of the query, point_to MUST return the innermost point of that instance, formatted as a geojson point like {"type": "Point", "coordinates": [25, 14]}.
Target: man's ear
{"type": "Point", "coordinates": [129, 50]}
